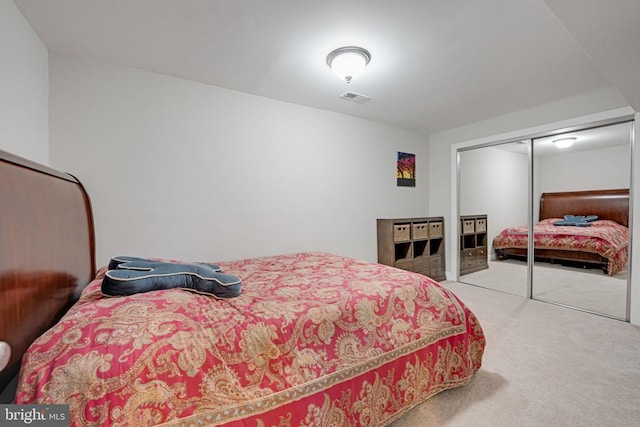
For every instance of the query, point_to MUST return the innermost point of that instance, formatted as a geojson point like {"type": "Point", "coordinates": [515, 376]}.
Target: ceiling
{"type": "Point", "coordinates": [435, 64]}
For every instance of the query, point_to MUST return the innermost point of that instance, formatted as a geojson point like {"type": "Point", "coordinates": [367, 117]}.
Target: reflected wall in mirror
{"type": "Point", "coordinates": [493, 181]}
{"type": "Point", "coordinates": [582, 262]}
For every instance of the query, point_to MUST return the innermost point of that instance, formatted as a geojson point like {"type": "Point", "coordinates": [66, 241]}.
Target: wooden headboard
{"type": "Point", "coordinates": [46, 251]}
{"type": "Point", "coordinates": [607, 204]}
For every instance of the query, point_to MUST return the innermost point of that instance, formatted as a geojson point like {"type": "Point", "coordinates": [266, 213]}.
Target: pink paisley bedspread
{"type": "Point", "coordinates": [313, 339]}
{"type": "Point", "coordinates": [604, 237]}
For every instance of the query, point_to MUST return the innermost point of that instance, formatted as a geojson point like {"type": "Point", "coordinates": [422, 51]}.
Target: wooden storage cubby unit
{"type": "Point", "coordinates": [473, 243]}
{"type": "Point", "coordinates": [414, 244]}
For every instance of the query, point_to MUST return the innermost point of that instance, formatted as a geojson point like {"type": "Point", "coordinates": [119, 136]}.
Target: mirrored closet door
{"type": "Point", "coordinates": [581, 188]}
{"type": "Point", "coordinates": [556, 211]}
{"type": "Point", "coordinates": [493, 187]}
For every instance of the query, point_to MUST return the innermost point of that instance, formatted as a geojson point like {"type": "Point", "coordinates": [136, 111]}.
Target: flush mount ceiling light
{"type": "Point", "coordinates": [564, 142]}
{"type": "Point", "coordinates": [348, 62]}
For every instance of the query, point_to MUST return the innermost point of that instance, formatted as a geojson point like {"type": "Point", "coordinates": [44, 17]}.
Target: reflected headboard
{"type": "Point", "coordinates": [46, 251]}
{"type": "Point", "coordinates": [607, 204]}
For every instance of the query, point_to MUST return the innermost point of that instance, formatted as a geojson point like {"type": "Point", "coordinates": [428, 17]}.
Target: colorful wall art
{"type": "Point", "coordinates": [406, 170]}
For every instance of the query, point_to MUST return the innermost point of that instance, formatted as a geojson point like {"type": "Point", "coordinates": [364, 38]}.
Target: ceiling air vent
{"type": "Point", "coordinates": [355, 97]}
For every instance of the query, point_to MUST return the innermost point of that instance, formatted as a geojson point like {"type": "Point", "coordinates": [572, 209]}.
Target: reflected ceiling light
{"type": "Point", "coordinates": [348, 62]}
{"type": "Point", "coordinates": [564, 142]}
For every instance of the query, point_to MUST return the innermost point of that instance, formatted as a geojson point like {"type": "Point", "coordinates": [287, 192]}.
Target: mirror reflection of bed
{"type": "Point", "coordinates": [576, 278]}
{"type": "Point", "coordinates": [565, 269]}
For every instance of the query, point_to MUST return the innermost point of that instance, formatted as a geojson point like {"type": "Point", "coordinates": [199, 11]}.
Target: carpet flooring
{"type": "Point", "coordinates": [544, 365]}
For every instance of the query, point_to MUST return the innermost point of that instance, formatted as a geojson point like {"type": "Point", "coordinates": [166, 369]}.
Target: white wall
{"type": "Point", "coordinates": [184, 170]}
{"type": "Point", "coordinates": [24, 87]}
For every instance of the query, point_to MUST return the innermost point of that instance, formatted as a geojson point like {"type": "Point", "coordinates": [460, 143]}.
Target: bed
{"type": "Point", "coordinates": [603, 244]}
{"type": "Point", "coordinates": [312, 339]}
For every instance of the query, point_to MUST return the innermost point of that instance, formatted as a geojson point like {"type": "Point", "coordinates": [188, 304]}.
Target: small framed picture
{"type": "Point", "coordinates": [406, 170]}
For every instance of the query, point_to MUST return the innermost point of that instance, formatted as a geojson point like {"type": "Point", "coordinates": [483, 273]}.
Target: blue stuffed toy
{"type": "Point", "coordinates": [130, 275]}
{"type": "Point", "coordinates": [576, 220]}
